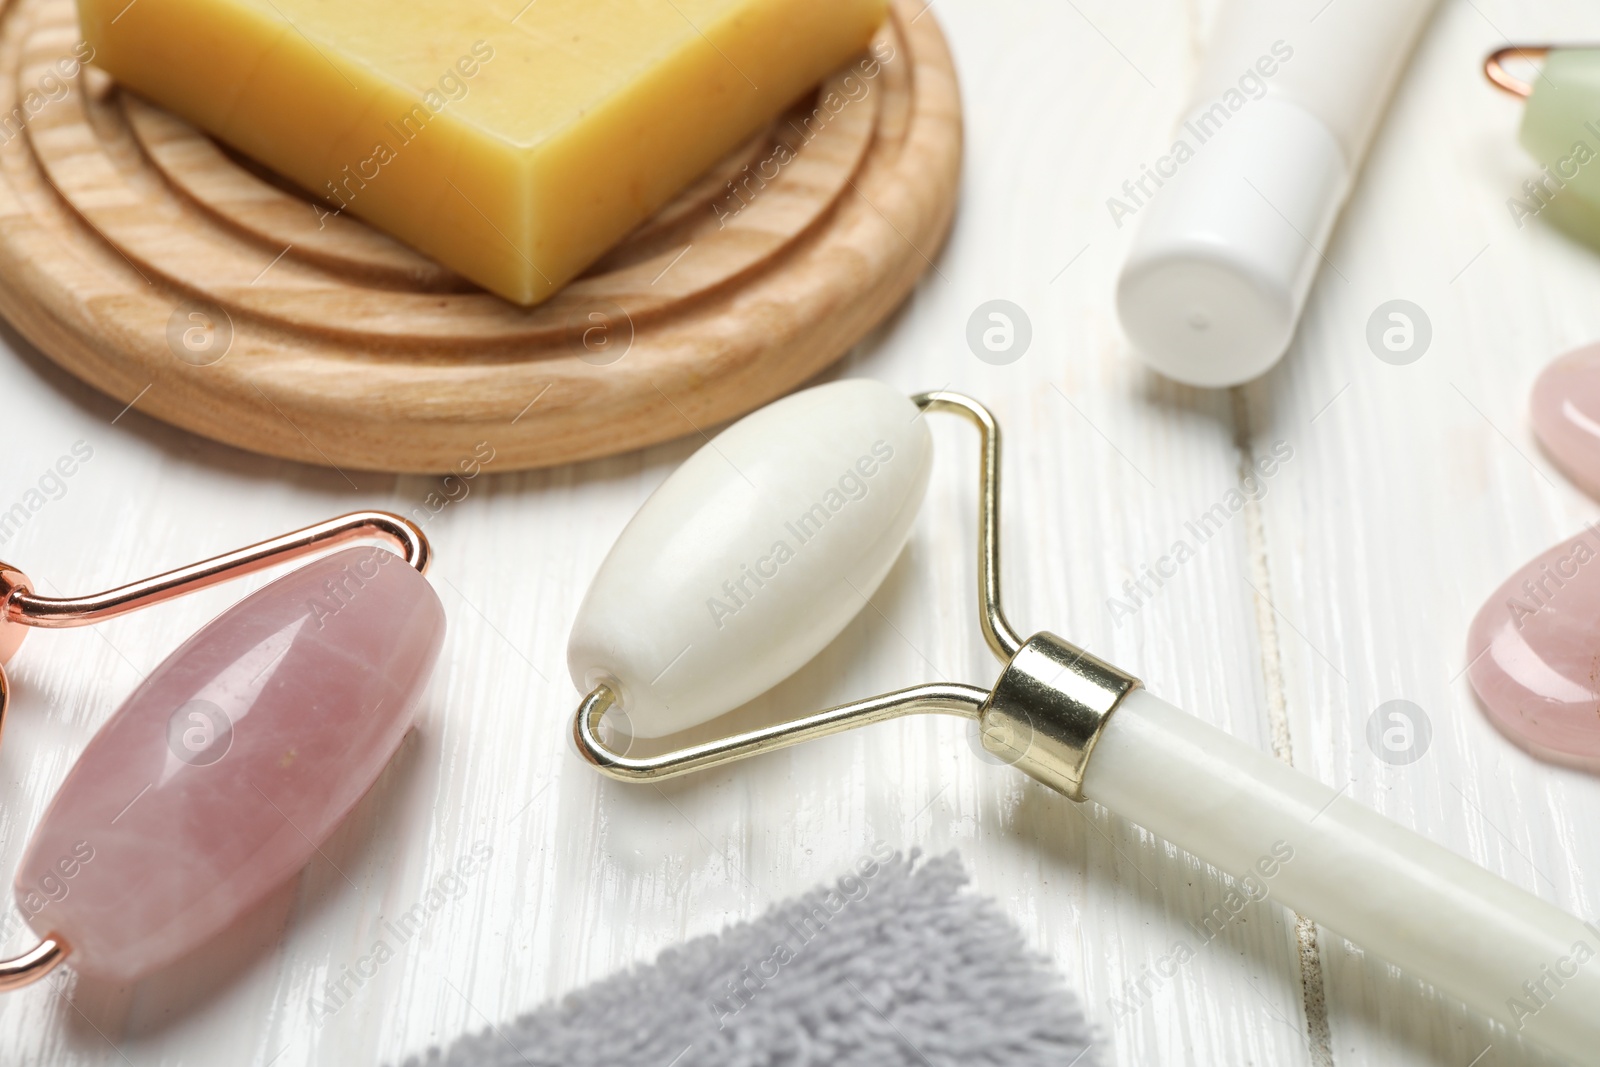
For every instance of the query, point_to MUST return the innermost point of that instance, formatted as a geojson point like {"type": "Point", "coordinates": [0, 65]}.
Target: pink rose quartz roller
{"type": "Point", "coordinates": [758, 551]}
{"type": "Point", "coordinates": [1565, 412]}
{"type": "Point", "coordinates": [1533, 654]}
{"type": "Point", "coordinates": [219, 777]}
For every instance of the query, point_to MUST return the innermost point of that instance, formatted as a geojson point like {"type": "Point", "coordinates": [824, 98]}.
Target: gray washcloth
{"type": "Point", "coordinates": [893, 965]}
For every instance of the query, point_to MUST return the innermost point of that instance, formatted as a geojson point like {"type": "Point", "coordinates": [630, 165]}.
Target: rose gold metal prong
{"type": "Point", "coordinates": [5, 697]}
{"type": "Point", "coordinates": [34, 964]}
{"type": "Point", "coordinates": [11, 633]}
{"type": "Point", "coordinates": [1495, 70]}
{"type": "Point", "coordinates": [23, 606]}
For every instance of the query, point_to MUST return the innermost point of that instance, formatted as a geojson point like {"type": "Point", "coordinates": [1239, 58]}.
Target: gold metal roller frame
{"type": "Point", "coordinates": [1044, 714]}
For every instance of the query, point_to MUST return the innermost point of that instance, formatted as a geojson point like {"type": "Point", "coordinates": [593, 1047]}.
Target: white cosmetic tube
{"type": "Point", "coordinates": [1234, 219]}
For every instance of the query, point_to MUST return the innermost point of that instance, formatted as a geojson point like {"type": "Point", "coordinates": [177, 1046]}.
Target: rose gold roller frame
{"type": "Point", "coordinates": [1494, 68]}
{"type": "Point", "coordinates": [20, 608]}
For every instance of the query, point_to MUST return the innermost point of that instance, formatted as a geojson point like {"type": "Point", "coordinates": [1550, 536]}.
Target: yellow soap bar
{"type": "Point", "coordinates": [512, 140]}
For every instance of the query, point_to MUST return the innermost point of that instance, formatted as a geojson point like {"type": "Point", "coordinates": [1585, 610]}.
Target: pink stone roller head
{"type": "Point", "coordinates": [1565, 411]}
{"type": "Point", "coordinates": [222, 773]}
{"type": "Point", "coordinates": [1534, 654]}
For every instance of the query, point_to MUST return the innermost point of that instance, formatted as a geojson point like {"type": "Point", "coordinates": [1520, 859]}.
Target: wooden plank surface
{"type": "Point", "coordinates": [1411, 492]}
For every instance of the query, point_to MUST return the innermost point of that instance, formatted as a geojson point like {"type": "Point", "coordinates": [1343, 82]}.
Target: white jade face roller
{"type": "Point", "coordinates": [755, 553]}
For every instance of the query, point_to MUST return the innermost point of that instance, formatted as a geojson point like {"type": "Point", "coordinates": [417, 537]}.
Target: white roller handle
{"type": "Point", "coordinates": [1398, 895]}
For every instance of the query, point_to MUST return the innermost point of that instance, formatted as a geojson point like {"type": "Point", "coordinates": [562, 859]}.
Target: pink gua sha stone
{"type": "Point", "coordinates": [232, 762]}
{"type": "Point", "coordinates": [1534, 654]}
{"type": "Point", "coordinates": [1565, 409]}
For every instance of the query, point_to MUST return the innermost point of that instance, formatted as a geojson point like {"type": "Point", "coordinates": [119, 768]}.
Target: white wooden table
{"type": "Point", "coordinates": [1411, 492]}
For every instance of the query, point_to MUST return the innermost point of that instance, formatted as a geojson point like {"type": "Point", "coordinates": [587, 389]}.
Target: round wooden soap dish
{"type": "Point", "coordinates": [169, 273]}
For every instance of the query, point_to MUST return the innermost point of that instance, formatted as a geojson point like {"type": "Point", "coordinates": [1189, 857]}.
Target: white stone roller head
{"type": "Point", "coordinates": [752, 556]}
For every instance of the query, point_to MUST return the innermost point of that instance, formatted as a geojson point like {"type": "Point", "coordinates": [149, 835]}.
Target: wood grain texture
{"type": "Point", "coordinates": [1411, 493]}
{"type": "Point", "coordinates": [315, 338]}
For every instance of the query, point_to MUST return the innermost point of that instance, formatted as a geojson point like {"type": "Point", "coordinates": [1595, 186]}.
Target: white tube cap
{"type": "Point", "coordinates": [1226, 253]}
